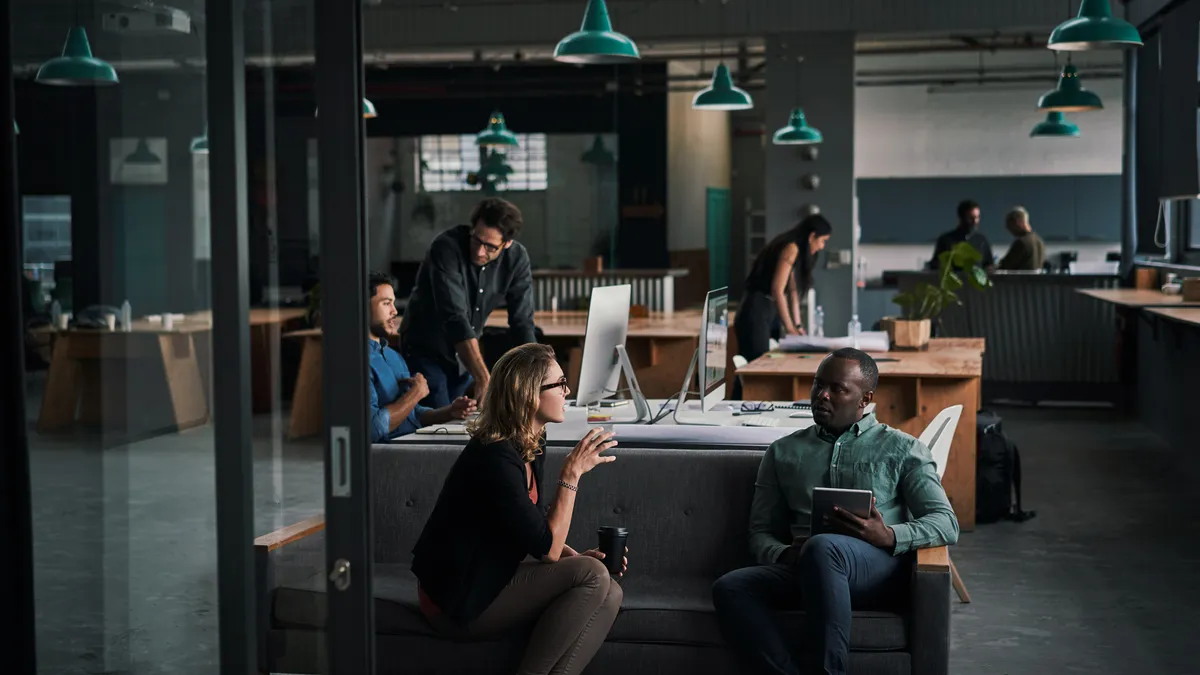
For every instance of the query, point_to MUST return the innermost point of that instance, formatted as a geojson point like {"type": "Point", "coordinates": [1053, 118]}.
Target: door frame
{"type": "Point", "coordinates": [348, 515]}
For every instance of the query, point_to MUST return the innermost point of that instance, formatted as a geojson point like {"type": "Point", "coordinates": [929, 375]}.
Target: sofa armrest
{"type": "Point", "coordinates": [929, 623]}
{"type": "Point", "coordinates": [289, 554]}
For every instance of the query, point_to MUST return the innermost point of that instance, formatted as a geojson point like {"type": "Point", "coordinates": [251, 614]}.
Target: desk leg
{"type": "Point", "coordinates": [182, 371]}
{"type": "Point", "coordinates": [61, 398]}
{"type": "Point", "coordinates": [307, 414]}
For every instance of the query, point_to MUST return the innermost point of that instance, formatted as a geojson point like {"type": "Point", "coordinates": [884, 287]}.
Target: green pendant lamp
{"type": "Point", "coordinates": [76, 66]}
{"type": "Point", "coordinates": [142, 155]}
{"type": "Point", "coordinates": [797, 132]}
{"type": "Point", "coordinates": [1070, 96]}
{"type": "Point", "coordinates": [1094, 28]}
{"type": "Point", "coordinates": [721, 94]}
{"type": "Point", "coordinates": [595, 41]}
{"type": "Point", "coordinates": [496, 134]}
{"type": "Point", "coordinates": [598, 154]}
{"type": "Point", "coordinates": [1055, 125]}
{"type": "Point", "coordinates": [200, 143]}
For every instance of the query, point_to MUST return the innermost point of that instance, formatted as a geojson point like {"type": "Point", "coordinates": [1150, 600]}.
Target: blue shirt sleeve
{"type": "Point", "coordinates": [381, 419]}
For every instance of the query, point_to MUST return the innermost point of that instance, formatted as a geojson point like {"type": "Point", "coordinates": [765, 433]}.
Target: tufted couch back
{"type": "Point", "coordinates": [686, 510]}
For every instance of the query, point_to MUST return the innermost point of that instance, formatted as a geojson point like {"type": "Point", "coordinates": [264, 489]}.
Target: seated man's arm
{"type": "Point", "coordinates": [399, 417]}
{"type": "Point", "coordinates": [769, 515]}
{"type": "Point", "coordinates": [934, 522]}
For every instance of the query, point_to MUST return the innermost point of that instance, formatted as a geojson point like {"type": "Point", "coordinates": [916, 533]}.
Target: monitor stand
{"type": "Point", "coordinates": [683, 392]}
{"type": "Point", "coordinates": [640, 406]}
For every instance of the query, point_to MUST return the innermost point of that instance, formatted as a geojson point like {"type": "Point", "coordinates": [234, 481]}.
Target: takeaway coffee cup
{"type": "Point", "coordinates": [612, 545]}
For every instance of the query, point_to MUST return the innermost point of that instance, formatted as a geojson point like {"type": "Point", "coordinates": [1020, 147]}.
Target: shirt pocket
{"type": "Point", "coordinates": [881, 478]}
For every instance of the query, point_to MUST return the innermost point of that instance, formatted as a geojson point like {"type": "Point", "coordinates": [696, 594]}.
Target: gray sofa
{"type": "Point", "coordinates": [686, 511]}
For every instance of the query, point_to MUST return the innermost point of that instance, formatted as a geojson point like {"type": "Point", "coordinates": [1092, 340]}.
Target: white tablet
{"type": "Point", "coordinates": [857, 502]}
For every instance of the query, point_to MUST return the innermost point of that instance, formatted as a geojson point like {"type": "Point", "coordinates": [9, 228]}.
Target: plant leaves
{"type": "Point", "coordinates": [951, 282]}
{"type": "Point", "coordinates": [965, 255]}
{"type": "Point", "coordinates": [979, 278]}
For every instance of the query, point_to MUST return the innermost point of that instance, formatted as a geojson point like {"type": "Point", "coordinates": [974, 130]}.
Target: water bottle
{"type": "Point", "coordinates": [55, 314]}
{"type": "Point", "coordinates": [126, 316]}
{"type": "Point", "coordinates": [818, 329]}
{"type": "Point", "coordinates": [853, 329]}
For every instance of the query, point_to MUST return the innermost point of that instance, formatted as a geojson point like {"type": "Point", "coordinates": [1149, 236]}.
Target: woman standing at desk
{"type": "Point", "coordinates": [781, 273]}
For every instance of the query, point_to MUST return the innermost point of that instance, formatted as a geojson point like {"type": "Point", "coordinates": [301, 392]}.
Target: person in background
{"type": "Point", "coordinates": [864, 562]}
{"type": "Point", "coordinates": [781, 274]}
{"type": "Point", "coordinates": [395, 393]}
{"type": "Point", "coordinates": [1027, 251]}
{"type": "Point", "coordinates": [474, 578]}
{"type": "Point", "coordinates": [468, 271]}
{"type": "Point", "coordinates": [968, 231]}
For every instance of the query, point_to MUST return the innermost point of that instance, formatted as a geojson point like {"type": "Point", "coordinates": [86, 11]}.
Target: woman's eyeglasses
{"type": "Point", "coordinates": [561, 383]}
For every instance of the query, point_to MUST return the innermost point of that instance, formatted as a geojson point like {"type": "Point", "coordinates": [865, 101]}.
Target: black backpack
{"type": "Point", "coordinates": [997, 473]}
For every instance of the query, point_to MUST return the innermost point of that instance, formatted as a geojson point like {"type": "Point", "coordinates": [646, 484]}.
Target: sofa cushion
{"type": "Point", "coordinates": [660, 611]}
{"type": "Point", "coordinates": [680, 611]}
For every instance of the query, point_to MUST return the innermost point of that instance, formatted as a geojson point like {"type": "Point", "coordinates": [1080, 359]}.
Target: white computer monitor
{"type": "Point", "coordinates": [607, 326]}
{"type": "Point", "coordinates": [713, 352]}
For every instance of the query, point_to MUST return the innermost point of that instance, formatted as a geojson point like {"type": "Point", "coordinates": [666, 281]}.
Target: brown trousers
{"type": "Point", "coordinates": [574, 602]}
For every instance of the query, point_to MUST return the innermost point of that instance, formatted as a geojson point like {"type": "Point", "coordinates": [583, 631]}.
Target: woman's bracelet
{"type": "Point", "coordinates": [572, 488]}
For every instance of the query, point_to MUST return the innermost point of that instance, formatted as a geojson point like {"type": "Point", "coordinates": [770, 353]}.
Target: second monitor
{"type": "Point", "coordinates": [604, 357]}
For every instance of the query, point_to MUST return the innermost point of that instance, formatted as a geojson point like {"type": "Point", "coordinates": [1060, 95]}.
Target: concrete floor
{"type": "Point", "coordinates": [1099, 582]}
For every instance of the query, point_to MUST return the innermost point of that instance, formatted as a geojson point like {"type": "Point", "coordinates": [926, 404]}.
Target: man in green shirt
{"type": "Point", "coordinates": [1027, 252]}
{"type": "Point", "coordinates": [868, 563]}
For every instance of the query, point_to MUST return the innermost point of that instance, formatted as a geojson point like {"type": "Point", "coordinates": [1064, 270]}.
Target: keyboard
{"type": "Point", "coordinates": [760, 421]}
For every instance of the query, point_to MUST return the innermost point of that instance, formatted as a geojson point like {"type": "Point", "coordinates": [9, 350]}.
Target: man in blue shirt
{"type": "Point", "coordinates": [395, 392]}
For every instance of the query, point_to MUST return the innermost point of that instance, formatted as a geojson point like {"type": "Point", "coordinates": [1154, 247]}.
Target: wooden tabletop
{"type": "Point", "coordinates": [1188, 315]}
{"type": "Point", "coordinates": [1133, 297]}
{"type": "Point", "coordinates": [951, 358]}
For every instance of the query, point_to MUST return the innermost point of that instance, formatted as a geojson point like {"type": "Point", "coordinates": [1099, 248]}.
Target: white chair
{"type": "Point", "coordinates": [937, 437]}
{"type": "Point", "coordinates": [739, 361]}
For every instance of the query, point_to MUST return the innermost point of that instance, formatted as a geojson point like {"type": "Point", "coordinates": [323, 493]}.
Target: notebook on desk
{"type": "Point", "coordinates": [448, 429]}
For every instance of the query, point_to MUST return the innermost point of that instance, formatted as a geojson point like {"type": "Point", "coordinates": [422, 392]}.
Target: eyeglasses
{"type": "Point", "coordinates": [491, 249]}
{"type": "Point", "coordinates": [561, 383]}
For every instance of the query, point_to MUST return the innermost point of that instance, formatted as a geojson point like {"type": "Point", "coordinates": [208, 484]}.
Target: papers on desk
{"type": "Point", "coordinates": [631, 434]}
{"type": "Point", "coordinates": [445, 429]}
{"type": "Point", "coordinates": [869, 341]}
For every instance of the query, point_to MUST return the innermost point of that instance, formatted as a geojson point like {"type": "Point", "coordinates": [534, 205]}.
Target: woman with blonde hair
{"type": "Point", "coordinates": [471, 560]}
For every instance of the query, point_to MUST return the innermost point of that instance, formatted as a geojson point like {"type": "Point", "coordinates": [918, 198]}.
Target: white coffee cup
{"type": "Point", "coordinates": [111, 320]}
{"type": "Point", "coordinates": [168, 322]}
{"type": "Point", "coordinates": [63, 320]}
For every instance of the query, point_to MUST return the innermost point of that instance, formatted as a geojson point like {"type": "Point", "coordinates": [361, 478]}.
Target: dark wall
{"type": "Point", "coordinates": [420, 101]}
{"type": "Point", "coordinates": [1168, 358]}
{"type": "Point", "coordinates": [1061, 208]}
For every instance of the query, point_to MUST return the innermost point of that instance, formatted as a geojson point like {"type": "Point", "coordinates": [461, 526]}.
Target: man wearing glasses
{"type": "Point", "coordinates": [468, 271]}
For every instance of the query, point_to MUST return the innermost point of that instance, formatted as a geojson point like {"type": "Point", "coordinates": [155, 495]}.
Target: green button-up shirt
{"type": "Point", "coordinates": [870, 455]}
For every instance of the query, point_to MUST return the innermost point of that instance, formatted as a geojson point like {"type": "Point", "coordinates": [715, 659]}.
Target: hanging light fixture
{"type": "Point", "coordinates": [1094, 28]}
{"type": "Point", "coordinates": [1069, 95]}
{"type": "Point", "coordinates": [200, 143]}
{"type": "Point", "coordinates": [76, 66]}
{"type": "Point", "coordinates": [496, 134]}
{"type": "Point", "coordinates": [598, 154]}
{"type": "Point", "coordinates": [721, 94]}
{"type": "Point", "coordinates": [797, 131]}
{"type": "Point", "coordinates": [1056, 125]}
{"type": "Point", "coordinates": [368, 110]}
{"type": "Point", "coordinates": [142, 154]}
{"type": "Point", "coordinates": [595, 41]}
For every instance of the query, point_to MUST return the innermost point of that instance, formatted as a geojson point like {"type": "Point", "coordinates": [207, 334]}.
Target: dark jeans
{"type": "Point", "coordinates": [834, 572]}
{"type": "Point", "coordinates": [754, 324]}
{"type": "Point", "coordinates": [445, 382]}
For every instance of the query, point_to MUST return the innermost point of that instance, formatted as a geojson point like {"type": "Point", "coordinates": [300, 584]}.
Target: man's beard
{"type": "Point", "coordinates": [380, 330]}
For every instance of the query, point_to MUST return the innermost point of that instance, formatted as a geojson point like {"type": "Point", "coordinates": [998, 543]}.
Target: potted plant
{"type": "Point", "coordinates": [924, 303]}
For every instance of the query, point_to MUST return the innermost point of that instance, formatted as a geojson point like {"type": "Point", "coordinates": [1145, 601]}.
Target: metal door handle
{"type": "Point", "coordinates": [340, 576]}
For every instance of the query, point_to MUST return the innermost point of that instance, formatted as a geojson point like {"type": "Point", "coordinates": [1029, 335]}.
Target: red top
{"type": "Point", "coordinates": [431, 610]}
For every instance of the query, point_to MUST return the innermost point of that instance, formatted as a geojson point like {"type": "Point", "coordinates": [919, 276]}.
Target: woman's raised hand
{"type": "Point", "coordinates": [586, 455]}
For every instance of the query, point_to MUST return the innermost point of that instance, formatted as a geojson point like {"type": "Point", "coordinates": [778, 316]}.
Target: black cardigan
{"type": "Point", "coordinates": [481, 528]}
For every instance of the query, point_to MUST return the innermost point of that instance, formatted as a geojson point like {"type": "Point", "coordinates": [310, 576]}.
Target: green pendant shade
{"type": "Point", "coordinates": [200, 144]}
{"type": "Point", "coordinates": [142, 154]}
{"type": "Point", "coordinates": [1070, 96]}
{"type": "Point", "coordinates": [598, 154]}
{"type": "Point", "coordinates": [76, 66]}
{"type": "Point", "coordinates": [1056, 125]}
{"type": "Point", "coordinates": [595, 41]}
{"type": "Point", "coordinates": [368, 110]}
{"type": "Point", "coordinates": [496, 134]}
{"type": "Point", "coordinates": [1094, 28]}
{"type": "Point", "coordinates": [721, 94]}
{"type": "Point", "coordinates": [797, 132]}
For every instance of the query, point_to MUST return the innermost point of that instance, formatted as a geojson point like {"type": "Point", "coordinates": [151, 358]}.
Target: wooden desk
{"type": "Point", "coordinates": [166, 356]}
{"type": "Point", "coordinates": [1133, 298]}
{"type": "Point", "coordinates": [660, 347]}
{"type": "Point", "coordinates": [912, 390]}
{"type": "Point", "coordinates": [1188, 314]}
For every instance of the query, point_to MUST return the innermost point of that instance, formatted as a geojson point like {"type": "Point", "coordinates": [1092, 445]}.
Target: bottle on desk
{"type": "Point", "coordinates": [853, 329]}
{"type": "Point", "coordinates": [56, 314]}
{"type": "Point", "coordinates": [818, 327]}
{"type": "Point", "coordinates": [126, 316]}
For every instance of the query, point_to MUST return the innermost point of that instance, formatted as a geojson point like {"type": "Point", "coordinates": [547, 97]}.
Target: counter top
{"type": "Point", "coordinates": [1132, 297]}
{"type": "Point", "coordinates": [1188, 315]}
